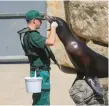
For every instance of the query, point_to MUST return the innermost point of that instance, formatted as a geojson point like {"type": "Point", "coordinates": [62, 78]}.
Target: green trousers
{"type": "Point", "coordinates": [42, 98]}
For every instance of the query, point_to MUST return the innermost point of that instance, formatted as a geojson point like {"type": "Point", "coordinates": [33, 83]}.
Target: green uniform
{"type": "Point", "coordinates": [38, 55]}
{"type": "Point", "coordinates": [37, 42]}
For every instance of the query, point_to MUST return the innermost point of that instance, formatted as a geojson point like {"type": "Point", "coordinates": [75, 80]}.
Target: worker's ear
{"type": "Point", "coordinates": [34, 21]}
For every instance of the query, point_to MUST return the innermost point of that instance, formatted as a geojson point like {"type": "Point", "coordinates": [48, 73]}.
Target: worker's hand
{"type": "Point", "coordinates": [54, 24]}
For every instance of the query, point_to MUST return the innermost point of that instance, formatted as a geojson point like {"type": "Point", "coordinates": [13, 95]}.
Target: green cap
{"type": "Point", "coordinates": [33, 14]}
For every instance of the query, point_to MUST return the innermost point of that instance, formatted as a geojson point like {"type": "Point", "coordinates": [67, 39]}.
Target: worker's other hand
{"type": "Point", "coordinates": [54, 24]}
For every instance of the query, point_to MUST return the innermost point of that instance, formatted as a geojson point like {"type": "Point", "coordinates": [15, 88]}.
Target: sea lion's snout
{"type": "Point", "coordinates": [50, 18]}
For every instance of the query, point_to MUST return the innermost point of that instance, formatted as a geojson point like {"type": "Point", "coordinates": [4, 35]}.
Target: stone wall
{"type": "Point", "coordinates": [90, 19]}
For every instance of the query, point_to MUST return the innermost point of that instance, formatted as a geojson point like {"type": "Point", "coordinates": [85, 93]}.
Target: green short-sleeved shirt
{"type": "Point", "coordinates": [37, 42]}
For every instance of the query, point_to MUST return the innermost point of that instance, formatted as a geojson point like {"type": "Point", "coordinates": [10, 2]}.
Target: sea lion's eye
{"type": "Point", "coordinates": [60, 23]}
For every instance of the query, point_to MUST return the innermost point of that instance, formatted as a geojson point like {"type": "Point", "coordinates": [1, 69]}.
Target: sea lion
{"type": "Point", "coordinates": [89, 64]}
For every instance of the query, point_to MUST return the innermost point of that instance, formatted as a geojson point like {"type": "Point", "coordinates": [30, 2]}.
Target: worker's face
{"type": "Point", "coordinates": [37, 23]}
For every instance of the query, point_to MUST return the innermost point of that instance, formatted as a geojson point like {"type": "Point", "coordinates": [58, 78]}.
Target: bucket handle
{"type": "Point", "coordinates": [35, 75]}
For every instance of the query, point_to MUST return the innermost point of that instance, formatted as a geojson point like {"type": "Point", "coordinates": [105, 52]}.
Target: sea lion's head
{"type": "Point", "coordinates": [63, 29]}
{"type": "Point", "coordinates": [51, 19]}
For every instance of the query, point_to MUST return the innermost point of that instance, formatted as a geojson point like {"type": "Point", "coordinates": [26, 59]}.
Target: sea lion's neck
{"type": "Point", "coordinates": [65, 39]}
{"type": "Point", "coordinates": [65, 36]}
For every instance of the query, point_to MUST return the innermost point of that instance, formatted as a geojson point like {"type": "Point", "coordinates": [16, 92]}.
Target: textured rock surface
{"type": "Point", "coordinates": [90, 19]}
{"type": "Point", "coordinates": [104, 83]}
{"type": "Point", "coordinates": [82, 94]}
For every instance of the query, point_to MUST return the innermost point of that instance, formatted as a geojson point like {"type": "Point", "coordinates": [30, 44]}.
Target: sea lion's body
{"type": "Point", "coordinates": [87, 62]}
{"type": "Point", "coordinates": [82, 56]}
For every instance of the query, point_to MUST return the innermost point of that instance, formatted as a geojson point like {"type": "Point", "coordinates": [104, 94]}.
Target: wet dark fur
{"type": "Point", "coordinates": [87, 62]}
{"type": "Point", "coordinates": [84, 58]}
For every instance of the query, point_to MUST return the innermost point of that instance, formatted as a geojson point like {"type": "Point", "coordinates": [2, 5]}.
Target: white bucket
{"type": "Point", "coordinates": [33, 84]}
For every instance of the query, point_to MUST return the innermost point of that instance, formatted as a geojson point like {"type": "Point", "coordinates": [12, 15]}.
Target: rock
{"type": "Point", "coordinates": [104, 83]}
{"type": "Point", "coordinates": [89, 19]}
{"type": "Point", "coordinates": [82, 94]}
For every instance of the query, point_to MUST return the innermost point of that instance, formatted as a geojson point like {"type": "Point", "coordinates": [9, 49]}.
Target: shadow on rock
{"type": "Point", "coordinates": [68, 70]}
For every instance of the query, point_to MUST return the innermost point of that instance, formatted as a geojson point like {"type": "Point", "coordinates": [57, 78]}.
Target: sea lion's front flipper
{"type": "Point", "coordinates": [95, 85]}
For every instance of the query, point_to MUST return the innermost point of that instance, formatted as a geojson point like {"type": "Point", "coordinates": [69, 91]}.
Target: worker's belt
{"type": "Point", "coordinates": [39, 68]}
{"type": "Point", "coordinates": [44, 90]}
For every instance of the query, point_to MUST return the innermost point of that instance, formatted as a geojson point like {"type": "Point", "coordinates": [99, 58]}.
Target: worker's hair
{"type": "Point", "coordinates": [28, 21]}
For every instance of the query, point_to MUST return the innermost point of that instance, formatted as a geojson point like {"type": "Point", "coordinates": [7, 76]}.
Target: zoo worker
{"type": "Point", "coordinates": [40, 62]}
